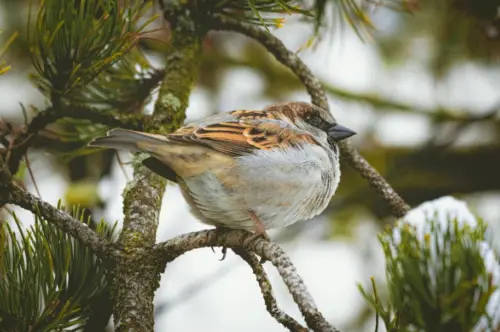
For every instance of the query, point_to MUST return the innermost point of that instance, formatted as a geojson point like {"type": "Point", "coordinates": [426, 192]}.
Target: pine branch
{"type": "Point", "coordinates": [441, 271]}
{"type": "Point", "coordinates": [273, 45]}
{"type": "Point", "coordinates": [258, 12]}
{"type": "Point", "coordinates": [10, 193]}
{"type": "Point", "coordinates": [237, 239]}
{"type": "Point", "coordinates": [42, 119]}
{"type": "Point", "coordinates": [40, 293]}
{"type": "Point", "coordinates": [267, 292]}
{"type": "Point", "coordinates": [398, 206]}
{"type": "Point", "coordinates": [72, 43]}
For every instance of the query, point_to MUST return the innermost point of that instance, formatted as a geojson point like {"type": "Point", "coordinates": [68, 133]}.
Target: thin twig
{"type": "Point", "coordinates": [122, 167]}
{"type": "Point", "coordinates": [398, 206]}
{"type": "Point", "coordinates": [22, 142]}
{"type": "Point", "coordinates": [32, 176]}
{"type": "Point", "coordinates": [375, 294]}
{"type": "Point", "coordinates": [63, 220]}
{"type": "Point", "coordinates": [280, 52]}
{"type": "Point", "coordinates": [237, 239]}
{"type": "Point", "coordinates": [10, 193]}
{"type": "Point", "coordinates": [267, 292]}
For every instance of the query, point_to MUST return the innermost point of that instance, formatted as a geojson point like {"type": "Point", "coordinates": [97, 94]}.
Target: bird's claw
{"type": "Point", "coordinates": [224, 249]}
{"type": "Point", "coordinates": [224, 252]}
{"type": "Point", "coordinates": [260, 230]}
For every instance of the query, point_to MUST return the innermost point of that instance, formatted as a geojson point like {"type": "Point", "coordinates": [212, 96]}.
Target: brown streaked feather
{"type": "Point", "coordinates": [241, 137]}
{"type": "Point", "coordinates": [252, 114]}
{"type": "Point", "coordinates": [288, 112]}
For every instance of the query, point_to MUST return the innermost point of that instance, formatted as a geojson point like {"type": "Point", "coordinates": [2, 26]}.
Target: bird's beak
{"type": "Point", "coordinates": [339, 133]}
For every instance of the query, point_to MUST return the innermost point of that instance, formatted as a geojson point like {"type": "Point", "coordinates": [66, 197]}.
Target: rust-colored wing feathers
{"type": "Point", "coordinates": [238, 133]}
{"type": "Point", "coordinates": [243, 136]}
{"type": "Point", "coordinates": [193, 149]}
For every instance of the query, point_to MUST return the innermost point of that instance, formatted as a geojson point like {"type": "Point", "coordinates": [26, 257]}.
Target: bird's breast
{"type": "Point", "coordinates": [281, 187]}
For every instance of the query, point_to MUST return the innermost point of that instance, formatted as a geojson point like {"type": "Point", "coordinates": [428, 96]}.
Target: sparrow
{"type": "Point", "coordinates": [247, 169]}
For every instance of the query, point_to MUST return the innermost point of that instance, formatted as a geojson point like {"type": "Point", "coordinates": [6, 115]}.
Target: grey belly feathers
{"type": "Point", "coordinates": [305, 177]}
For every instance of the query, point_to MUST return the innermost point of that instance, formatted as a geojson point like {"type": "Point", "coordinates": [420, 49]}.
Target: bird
{"type": "Point", "coordinates": [254, 170]}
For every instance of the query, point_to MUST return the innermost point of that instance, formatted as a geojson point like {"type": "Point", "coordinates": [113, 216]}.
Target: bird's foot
{"type": "Point", "coordinates": [224, 249]}
{"type": "Point", "coordinates": [256, 235]}
{"type": "Point", "coordinates": [260, 231]}
{"type": "Point", "coordinates": [224, 252]}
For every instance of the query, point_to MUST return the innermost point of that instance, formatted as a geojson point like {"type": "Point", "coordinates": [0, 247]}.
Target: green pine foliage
{"type": "Point", "coordinates": [435, 282]}
{"type": "Point", "coordinates": [125, 86]}
{"type": "Point", "coordinates": [3, 66]}
{"type": "Point", "coordinates": [74, 41]}
{"type": "Point", "coordinates": [85, 54]}
{"type": "Point", "coordinates": [260, 12]}
{"type": "Point", "coordinates": [270, 12]}
{"type": "Point", "coordinates": [48, 279]}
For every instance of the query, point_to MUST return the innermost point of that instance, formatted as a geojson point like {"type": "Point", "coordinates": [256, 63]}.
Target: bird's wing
{"type": "Point", "coordinates": [243, 134]}
{"type": "Point", "coordinates": [209, 144]}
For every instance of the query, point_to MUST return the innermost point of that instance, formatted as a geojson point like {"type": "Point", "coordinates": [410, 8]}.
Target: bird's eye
{"type": "Point", "coordinates": [318, 122]}
{"type": "Point", "coordinates": [314, 120]}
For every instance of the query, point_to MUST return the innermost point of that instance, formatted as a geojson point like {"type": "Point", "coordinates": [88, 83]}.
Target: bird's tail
{"type": "Point", "coordinates": [123, 139]}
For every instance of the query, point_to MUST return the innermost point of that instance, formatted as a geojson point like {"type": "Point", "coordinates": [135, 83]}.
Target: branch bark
{"type": "Point", "coordinates": [238, 239]}
{"type": "Point", "coordinates": [276, 47]}
{"type": "Point", "coordinates": [10, 193]}
{"type": "Point", "coordinates": [398, 206]}
{"type": "Point", "coordinates": [135, 278]}
{"type": "Point", "coordinates": [50, 115]}
{"type": "Point", "coordinates": [267, 292]}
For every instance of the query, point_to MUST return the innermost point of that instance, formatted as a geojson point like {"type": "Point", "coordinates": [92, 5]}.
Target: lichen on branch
{"type": "Point", "coordinates": [134, 283]}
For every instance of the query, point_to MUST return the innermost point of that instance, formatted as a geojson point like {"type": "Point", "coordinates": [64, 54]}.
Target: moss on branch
{"type": "Point", "coordinates": [135, 281]}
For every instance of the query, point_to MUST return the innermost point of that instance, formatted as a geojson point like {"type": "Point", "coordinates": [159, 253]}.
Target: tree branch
{"type": "Point", "coordinates": [398, 206]}
{"type": "Point", "coordinates": [10, 193]}
{"type": "Point", "coordinates": [135, 278]}
{"type": "Point", "coordinates": [42, 119]}
{"type": "Point", "coordinates": [267, 292]}
{"type": "Point", "coordinates": [279, 51]}
{"type": "Point", "coordinates": [238, 239]}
